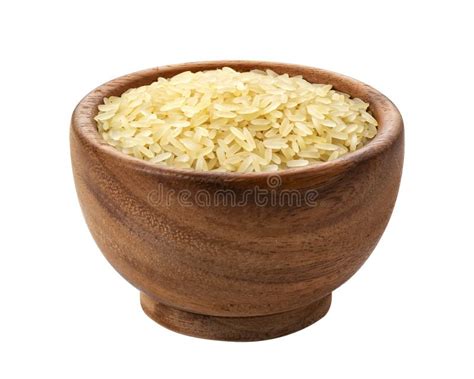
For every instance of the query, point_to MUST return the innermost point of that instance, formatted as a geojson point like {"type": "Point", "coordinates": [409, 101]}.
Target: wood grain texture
{"type": "Point", "coordinates": [236, 262]}
{"type": "Point", "coordinates": [235, 328]}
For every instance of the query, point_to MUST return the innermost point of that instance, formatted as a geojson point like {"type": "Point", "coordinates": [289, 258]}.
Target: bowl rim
{"type": "Point", "coordinates": [386, 113]}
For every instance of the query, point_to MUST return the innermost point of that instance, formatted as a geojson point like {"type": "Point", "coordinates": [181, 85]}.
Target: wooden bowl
{"type": "Point", "coordinates": [243, 270]}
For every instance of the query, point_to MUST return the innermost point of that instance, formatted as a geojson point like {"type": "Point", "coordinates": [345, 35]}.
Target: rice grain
{"type": "Point", "coordinates": [225, 120]}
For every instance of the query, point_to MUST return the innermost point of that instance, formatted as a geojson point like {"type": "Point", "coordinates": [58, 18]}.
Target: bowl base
{"type": "Point", "coordinates": [253, 328]}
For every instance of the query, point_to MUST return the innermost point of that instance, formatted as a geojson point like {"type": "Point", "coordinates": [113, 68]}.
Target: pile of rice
{"type": "Point", "coordinates": [224, 120]}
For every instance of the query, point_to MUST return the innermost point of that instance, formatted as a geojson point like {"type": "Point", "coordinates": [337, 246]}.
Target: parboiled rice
{"type": "Point", "coordinates": [224, 120]}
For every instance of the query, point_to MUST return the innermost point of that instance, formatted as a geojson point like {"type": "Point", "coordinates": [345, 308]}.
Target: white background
{"type": "Point", "coordinates": [64, 312]}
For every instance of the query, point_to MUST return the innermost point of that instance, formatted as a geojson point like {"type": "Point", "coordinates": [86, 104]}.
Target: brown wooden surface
{"type": "Point", "coordinates": [236, 262]}
{"type": "Point", "coordinates": [235, 328]}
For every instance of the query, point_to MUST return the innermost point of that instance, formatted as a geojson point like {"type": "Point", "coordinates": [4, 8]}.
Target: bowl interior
{"type": "Point", "coordinates": [387, 115]}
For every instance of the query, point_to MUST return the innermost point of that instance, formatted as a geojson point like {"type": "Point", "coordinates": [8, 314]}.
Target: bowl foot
{"type": "Point", "coordinates": [235, 328]}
